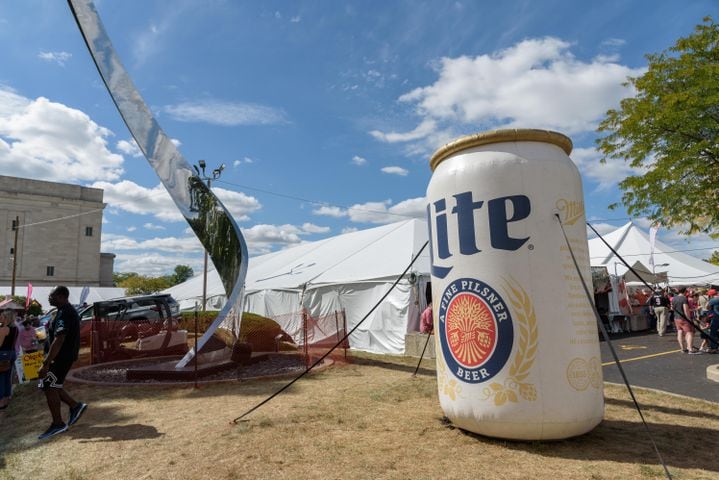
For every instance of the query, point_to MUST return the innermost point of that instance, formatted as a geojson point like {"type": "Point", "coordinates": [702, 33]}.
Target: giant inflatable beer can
{"type": "Point", "coordinates": [517, 344]}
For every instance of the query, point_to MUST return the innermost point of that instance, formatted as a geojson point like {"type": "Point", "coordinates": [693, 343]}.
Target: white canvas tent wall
{"type": "Point", "coordinates": [40, 294]}
{"type": "Point", "coordinates": [633, 244]}
{"type": "Point", "coordinates": [350, 272]}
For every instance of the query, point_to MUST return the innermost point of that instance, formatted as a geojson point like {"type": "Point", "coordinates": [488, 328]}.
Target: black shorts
{"type": "Point", "coordinates": [55, 375]}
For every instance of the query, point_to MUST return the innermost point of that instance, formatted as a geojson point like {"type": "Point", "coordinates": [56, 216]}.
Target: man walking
{"type": "Point", "coordinates": [659, 303]}
{"type": "Point", "coordinates": [64, 349]}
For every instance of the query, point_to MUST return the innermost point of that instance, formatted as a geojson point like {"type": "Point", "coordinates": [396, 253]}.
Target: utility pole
{"type": "Point", "coordinates": [216, 173]}
{"type": "Point", "coordinates": [16, 227]}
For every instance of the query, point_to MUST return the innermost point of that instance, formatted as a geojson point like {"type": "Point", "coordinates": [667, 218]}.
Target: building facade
{"type": "Point", "coordinates": [57, 227]}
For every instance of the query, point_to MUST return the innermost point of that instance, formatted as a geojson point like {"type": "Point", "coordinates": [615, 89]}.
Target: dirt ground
{"type": "Point", "coordinates": [369, 419]}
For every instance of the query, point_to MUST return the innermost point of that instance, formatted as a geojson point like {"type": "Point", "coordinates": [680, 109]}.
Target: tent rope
{"type": "Point", "coordinates": [345, 337]}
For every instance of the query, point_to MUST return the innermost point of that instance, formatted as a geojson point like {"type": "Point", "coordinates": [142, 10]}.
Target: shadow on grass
{"type": "Point", "coordinates": [625, 442]}
{"type": "Point", "coordinates": [114, 433]}
{"type": "Point", "coordinates": [409, 369]}
{"type": "Point", "coordinates": [647, 407]}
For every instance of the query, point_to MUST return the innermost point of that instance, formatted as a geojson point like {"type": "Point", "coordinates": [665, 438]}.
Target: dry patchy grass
{"type": "Point", "coordinates": [370, 419]}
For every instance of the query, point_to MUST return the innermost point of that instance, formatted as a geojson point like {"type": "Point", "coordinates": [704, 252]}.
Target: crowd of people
{"type": "Point", "coordinates": [18, 335]}
{"type": "Point", "coordinates": [681, 310]}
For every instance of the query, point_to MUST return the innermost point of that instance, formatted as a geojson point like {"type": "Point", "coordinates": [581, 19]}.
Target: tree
{"type": "Point", "coordinates": [714, 258]}
{"type": "Point", "coordinates": [182, 273]}
{"type": "Point", "coordinates": [669, 132]}
{"type": "Point", "coordinates": [119, 277]}
{"type": "Point", "coordinates": [141, 285]}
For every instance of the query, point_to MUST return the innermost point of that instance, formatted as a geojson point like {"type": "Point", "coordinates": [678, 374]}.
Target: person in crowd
{"type": "Point", "coordinates": [426, 321]}
{"type": "Point", "coordinates": [659, 303]}
{"type": "Point", "coordinates": [682, 322]}
{"type": "Point", "coordinates": [27, 338]}
{"type": "Point", "coordinates": [8, 336]}
{"type": "Point", "coordinates": [703, 299]}
{"type": "Point", "coordinates": [64, 349]}
{"type": "Point", "coordinates": [713, 319]}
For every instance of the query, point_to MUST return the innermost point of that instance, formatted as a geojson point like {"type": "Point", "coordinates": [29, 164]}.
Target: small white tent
{"type": "Point", "coordinates": [634, 246]}
{"type": "Point", "coordinates": [349, 272]}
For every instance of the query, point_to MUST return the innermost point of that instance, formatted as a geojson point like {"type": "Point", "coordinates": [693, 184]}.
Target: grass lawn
{"type": "Point", "coordinates": [369, 419]}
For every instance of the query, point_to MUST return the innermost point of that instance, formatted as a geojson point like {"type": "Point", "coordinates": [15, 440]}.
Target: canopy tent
{"type": "Point", "coordinates": [675, 268]}
{"type": "Point", "coordinates": [95, 294]}
{"type": "Point", "coordinates": [348, 272]}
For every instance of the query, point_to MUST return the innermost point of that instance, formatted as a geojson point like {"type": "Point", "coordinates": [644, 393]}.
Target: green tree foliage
{"type": "Point", "coordinates": [136, 284]}
{"type": "Point", "coordinates": [141, 285]}
{"type": "Point", "coordinates": [182, 273]}
{"type": "Point", "coordinates": [714, 258]}
{"type": "Point", "coordinates": [669, 132]}
{"type": "Point", "coordinates": [119, 277]}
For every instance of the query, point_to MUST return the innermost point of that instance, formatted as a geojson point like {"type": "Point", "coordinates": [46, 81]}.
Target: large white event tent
{"type": "Point", "coordinates": [349, 272]}
{"type": "Point", "coordinates": [634, 246]}
{"type": "Point", "coordinates": [40, 293]}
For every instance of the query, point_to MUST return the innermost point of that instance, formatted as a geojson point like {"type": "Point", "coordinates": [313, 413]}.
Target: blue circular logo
{"type": "Point", "coordinates": [475, 330]}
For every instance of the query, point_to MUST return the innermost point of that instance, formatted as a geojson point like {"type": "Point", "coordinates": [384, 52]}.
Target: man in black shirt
{"type": "Point", "coordinates": [64, 349]}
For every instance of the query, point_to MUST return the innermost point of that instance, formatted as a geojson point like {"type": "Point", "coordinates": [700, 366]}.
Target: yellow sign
{"type": "Point", "coordinates": [31, 363]}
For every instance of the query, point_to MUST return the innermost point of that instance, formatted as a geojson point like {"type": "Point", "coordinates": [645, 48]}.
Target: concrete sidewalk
{"type": "Point", "coordinates": [656, 362]}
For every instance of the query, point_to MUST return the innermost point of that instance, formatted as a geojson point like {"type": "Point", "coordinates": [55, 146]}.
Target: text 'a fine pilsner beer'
{"type": "Point", "coordinates": [518, 352]}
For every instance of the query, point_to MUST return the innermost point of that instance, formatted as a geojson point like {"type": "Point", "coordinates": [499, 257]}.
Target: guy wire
{"type": "Point", "coordinates": [345, 337]}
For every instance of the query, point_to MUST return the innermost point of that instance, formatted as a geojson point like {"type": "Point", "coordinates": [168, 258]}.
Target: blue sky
{"type": "Point", "coordinates": [325, 113]}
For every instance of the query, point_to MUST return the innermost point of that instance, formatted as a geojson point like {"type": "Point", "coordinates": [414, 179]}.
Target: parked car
{"type": "Point", "coordinates": [129, 318]}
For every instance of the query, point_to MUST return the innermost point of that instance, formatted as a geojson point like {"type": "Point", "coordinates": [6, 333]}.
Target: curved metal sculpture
{"type": "Point", "coordinates": [207, 216]}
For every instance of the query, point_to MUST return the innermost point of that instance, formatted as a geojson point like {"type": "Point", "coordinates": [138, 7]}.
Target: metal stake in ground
{"type": "Point", "coordinates": [429, 335]}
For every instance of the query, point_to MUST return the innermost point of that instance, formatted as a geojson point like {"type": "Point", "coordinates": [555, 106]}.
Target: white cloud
{"type": "Point", "coordinates": [216, 112]}
{"type": "Point", "coordinates": [402, 172]}
{"type": "Point", "coordinates": [312, 228]}
{"type": "Point", "coordinates": [359, 161]}
{"type": "Point", "coordinates": [133, 198]}
{"type": "Point", "coordinates": [537, 83]}
{"type": "Point", "coordinates": [131, 229]}
{"type": "Point", "coordinates": [239, 162]}
{"type": "Point", "coordinates": [378, 212]}
{"type": "Point", "coordinates": [129, 147]}
{"type": "Point", "coordinates": [114, 243]}
{"type": "Point", "coordinates": [263, 239]}
{"type": "Point", "coordinates": [349, 229]}
{"type": "Point", "coordinates": [239, 204]}
{"type": "Point", "coordinates": [155, 264]}
{"type": "Point", "coordinates": [58, 57]}
{"type": "Point", "coordinates": [152, 226]}
{"type": "Point", "coordinates": [296, 19]}
{"type": "Point", "coordinates": [608, 174]}
{"type": "Point", "coordinates": [328, 211]}
{"type": "Point", "coordinates": [45, 140]}
{"type": "Point", "coordinates": [613, 42]}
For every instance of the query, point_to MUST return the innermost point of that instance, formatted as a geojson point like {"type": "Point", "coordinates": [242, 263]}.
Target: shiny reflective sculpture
{"type": "Point", "coordinates": [209, 219]}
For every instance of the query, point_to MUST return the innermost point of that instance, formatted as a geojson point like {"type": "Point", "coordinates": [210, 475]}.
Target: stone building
{"type": "Point", "coordinates": [58, 242]}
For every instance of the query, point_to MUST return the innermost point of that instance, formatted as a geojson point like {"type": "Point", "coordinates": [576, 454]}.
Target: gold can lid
{"type": "Point", "coordinates": [499, 136]}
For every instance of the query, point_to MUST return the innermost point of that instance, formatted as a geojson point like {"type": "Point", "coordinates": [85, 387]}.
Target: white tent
{"type": "Point", "coordinates": [40, 293]}
{"type": "Point", "coordinates": [348, 272]}
{"type": "Point", "coordinates": [633, 245]}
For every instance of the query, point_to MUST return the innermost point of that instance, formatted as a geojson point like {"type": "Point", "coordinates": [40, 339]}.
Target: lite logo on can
{"type": "Point", "coordinates": [476, 332]}
{"type": "Point", "coordinates": [464, 209]}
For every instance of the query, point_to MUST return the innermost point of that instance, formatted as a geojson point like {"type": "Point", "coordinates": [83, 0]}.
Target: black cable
{"type": "Point", "coordinates": [611, 348]}
{"type": "Point", "coordinates": [681, 314]}
{"type": "Point", "coordinates": [305, 372]}
{"type": "Point", "coordinates": [429, 335]}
